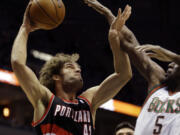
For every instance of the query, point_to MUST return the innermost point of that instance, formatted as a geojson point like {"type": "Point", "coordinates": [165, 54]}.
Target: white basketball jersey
{"type": "Point", "coordinates": [160, 114]}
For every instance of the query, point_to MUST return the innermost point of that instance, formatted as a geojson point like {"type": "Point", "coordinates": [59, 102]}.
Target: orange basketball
{"type": "Point", "coordinates": [47, 14]}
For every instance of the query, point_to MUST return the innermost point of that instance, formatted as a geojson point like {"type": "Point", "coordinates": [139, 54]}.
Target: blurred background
{"type": "Point", "coordinates": [83, 31]}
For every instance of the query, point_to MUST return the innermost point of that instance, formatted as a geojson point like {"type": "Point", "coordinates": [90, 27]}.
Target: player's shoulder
{"type": "Point", "coordinates": [89, 93]}
{"type": "Point", "coordinates": [155, 88]}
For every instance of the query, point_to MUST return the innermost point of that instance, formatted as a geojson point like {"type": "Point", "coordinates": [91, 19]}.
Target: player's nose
{"type": "Point", "coordinates": [78, 70]}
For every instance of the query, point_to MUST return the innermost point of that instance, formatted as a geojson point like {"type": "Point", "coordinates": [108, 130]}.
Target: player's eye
{"type": "Point", "coordinates": [69, 66]}
{"type": "Point", "coordinates": [129, 134]}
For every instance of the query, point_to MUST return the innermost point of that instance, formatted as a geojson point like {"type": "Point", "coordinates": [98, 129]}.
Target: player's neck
{"type": "Point", "coordinates": [173, 84]}
{"type": "Point", "coordinates": [66, 96]}
{"type": "Point", "coordinates": [64, 93]}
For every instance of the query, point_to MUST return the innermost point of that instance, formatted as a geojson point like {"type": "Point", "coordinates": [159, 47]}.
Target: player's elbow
{"type": "Point", "coordinates": [16, 64]}
{"type": "Point", "coordinates": [126, 75]}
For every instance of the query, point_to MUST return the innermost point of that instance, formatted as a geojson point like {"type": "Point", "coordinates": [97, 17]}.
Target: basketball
{"type": "Point", "coordinates": [47, 14]}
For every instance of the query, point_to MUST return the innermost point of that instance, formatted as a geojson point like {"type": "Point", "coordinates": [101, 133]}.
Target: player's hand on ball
{"type": "Point", "coordinates": [27, 23]}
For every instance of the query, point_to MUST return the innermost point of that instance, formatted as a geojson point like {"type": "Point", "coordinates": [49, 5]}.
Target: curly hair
{"type": "Point", "coordinates": [52, 67]}
{"type": "Point", "coordinates": [123, 125]}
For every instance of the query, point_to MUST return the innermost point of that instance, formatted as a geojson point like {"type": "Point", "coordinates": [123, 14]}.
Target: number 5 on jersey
{"type": "Point", "coordinates": [158, 125]}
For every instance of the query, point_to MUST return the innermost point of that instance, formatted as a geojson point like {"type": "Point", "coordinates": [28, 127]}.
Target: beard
{"type": "Point", "coordinates": [72, 84]}
{"type": "Point", "coordinates": [172, 82]}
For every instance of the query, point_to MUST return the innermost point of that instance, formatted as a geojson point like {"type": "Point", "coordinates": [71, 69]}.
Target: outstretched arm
{"type": "Point", "coordinates": [125, 31]}
{"type": "Point", "coordinates": [27, 79]}
{"type": "Point", "coordinates": [159, 53]}
{"type": "Point", "coordinates": [150, 70]}
{"type": "Point", "coordinates": [145, 65]}
{"type": "Point", "coordinates": [101, 9]}
{"type": "Point", "coordinates": [112, 84]}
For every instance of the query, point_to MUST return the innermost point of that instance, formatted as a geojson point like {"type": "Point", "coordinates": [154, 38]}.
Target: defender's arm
{"type": "Point", "coordinates": [97, 6]}
{"type": "Point", "coordinates": [150, 70]}
{"type": "Point", "coordinates": [159, 53]}
{"type": "Point", "coordinates": [101, 9]}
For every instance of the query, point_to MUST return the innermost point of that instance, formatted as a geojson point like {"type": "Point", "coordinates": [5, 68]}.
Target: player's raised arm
{"type": "Point", "coordinates": [97, 6]}
{"type": "Point", "coordinates": [27, 79]}
{"type": "Point", "coordinates": [149, 69]}
{"type": "Point", "coordinates": [129, 42]}
{"type": "Point", "coordinates": [112, 84]}
{"type": "Point", "coordinates": [100, 8]}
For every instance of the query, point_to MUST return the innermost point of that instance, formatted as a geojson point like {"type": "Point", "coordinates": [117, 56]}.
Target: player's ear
{"type": "Point", "coordinates": [56, 77]}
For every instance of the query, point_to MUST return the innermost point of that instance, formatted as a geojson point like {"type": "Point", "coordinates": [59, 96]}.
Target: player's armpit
{"type": "Point", "coordinates": [106, 90]}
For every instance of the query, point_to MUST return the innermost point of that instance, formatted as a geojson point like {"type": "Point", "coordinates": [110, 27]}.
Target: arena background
{"type": "Point", "coordinates": [84, 31]}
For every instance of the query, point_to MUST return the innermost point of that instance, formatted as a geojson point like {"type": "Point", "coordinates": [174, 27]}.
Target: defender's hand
{"type": "Point", "coordinates": [157, 52]}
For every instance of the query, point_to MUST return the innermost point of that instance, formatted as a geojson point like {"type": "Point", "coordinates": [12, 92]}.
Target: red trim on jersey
{"type": "Point", "coordinates": [54, 129]}
{"type": "Point", "coordinates": [69, 101]}
{"type": "Point", "coordinates": [85, 100]}
{"type": "Point", "coordinates": [46, 112]}
{"type": "Point", "coordinates": [152, 91]}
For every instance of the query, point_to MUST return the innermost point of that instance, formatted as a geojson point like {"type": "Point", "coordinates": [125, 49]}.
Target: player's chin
{"type": "Point", "coordinates": [79, 86]}
{"type": "Point", "coordinates": [80, 83]}
{"type": "Point", "coordinates": [79, 79]}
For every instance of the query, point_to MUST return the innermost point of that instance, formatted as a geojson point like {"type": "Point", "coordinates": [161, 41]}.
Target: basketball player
{"type": "Point", "coordinates": [57, 109]}
{"type": "Point", "coordinates": [160, 114]}
{"type": "Point", "coordinates": [124, 128]}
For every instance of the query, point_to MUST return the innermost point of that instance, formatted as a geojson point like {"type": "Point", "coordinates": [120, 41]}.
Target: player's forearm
{"type": "Point", "coordinates": [129, 35]}
{"type": "Point", "coordinates": [108, 14]}
{"type": "Point", "coordinates": [123, 64]}
{"type": "Point", "coordinates": [102, 10]}
{"type": "Point", "coordinates": [121, 59]}
{"type": "Point", "coordinates": [19, 50]}
{"type": "Point", "coordinates": [138, 59]}
{"type": "Point", "coordinates": [113, 84]}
